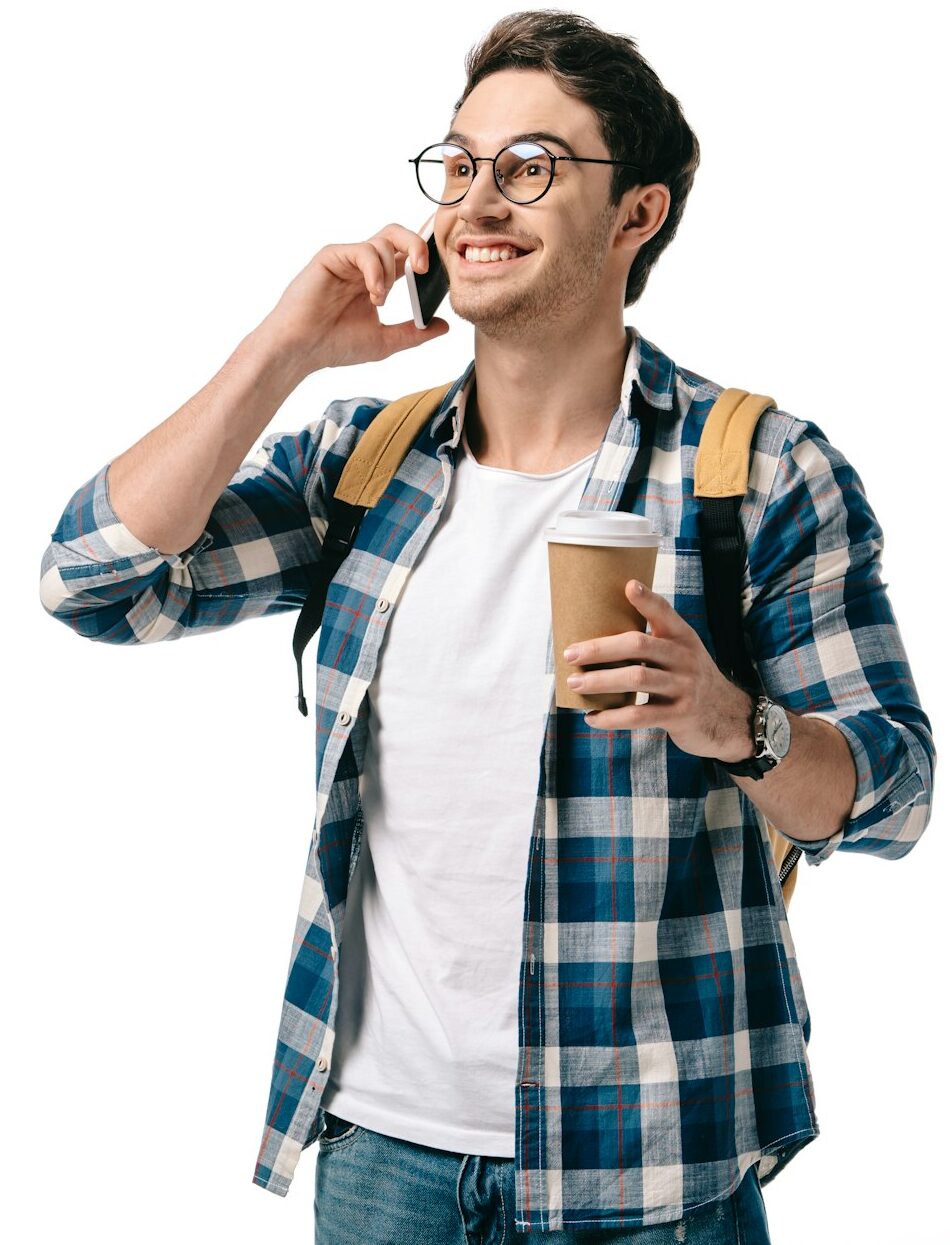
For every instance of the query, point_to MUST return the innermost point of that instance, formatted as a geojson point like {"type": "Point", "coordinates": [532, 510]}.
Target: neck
{"type": "Point", "coordinates": [541, 408]}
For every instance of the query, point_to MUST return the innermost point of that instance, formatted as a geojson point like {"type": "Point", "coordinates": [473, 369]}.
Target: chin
{"type": "Point", "coordinates": [499, 323]}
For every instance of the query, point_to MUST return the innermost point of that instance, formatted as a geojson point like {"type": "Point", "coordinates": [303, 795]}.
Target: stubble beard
{"type": "Point", "coordinates": [521, 307]}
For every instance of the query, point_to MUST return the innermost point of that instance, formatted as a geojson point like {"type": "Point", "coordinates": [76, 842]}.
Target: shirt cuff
{"type": "Point", "coordinates": [877, 795]}
{"type": "Point", "coordinates": [90, 527]}
{"type": "Point", "coordinates": [815, 850]}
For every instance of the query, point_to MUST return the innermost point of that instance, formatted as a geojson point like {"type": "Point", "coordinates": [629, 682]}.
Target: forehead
{"type": "Point", "coordinates": [514, 102]}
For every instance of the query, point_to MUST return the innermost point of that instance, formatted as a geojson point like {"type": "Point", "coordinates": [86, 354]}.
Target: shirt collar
{"type": "Point", "coordinates": [648, 368]}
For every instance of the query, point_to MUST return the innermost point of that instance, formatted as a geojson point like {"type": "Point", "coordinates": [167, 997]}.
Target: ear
{"type": "Point", "coordinates": [646, 208]}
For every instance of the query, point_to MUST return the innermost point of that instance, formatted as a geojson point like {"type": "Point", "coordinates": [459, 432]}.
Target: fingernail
{"type": "Point", "coordinates": [574, 680]}
{"type": "Point", "coordinates": [570, 654]}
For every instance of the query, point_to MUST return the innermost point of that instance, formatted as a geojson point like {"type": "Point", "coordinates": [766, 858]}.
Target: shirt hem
{"type": "Point", "coordinates": [785, 1148]}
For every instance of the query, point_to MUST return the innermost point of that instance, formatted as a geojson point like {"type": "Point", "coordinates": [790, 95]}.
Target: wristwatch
{"type": "Point", "coordinates": [771, 735]}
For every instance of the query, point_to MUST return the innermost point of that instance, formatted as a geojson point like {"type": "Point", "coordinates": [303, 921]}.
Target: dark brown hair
{"type": "Point", "coordinates": [640, 120]}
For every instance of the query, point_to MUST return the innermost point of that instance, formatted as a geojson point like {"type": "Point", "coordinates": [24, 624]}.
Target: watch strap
{"type": "Point", "coordinates": [762, 761]}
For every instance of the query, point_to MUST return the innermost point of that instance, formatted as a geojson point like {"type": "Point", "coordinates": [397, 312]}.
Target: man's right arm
{"type": "Point", "coordinates": [179, 532]}
{"type": "Point", "coordinates": [164, 487]}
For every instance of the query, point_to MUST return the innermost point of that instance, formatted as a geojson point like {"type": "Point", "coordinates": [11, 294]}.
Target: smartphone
{"type": "Point", "coordinates": [428, 289]}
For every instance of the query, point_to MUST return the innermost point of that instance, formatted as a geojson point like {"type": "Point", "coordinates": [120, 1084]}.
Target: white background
{"type": "Point", "coordinates": [170, 168]}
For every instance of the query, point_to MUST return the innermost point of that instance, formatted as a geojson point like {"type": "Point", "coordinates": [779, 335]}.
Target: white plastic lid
{"type": "Point", "coordinates": [602, 527]}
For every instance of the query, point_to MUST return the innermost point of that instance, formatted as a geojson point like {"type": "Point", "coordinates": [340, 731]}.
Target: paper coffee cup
{"type": "Point", "coordinates": [592, 555]}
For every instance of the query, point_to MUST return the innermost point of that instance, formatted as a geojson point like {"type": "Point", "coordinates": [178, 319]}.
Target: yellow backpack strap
{"type": "Point", "coordinates": [722, 470]}
{"type": "Point", "coordinates": [385, 443]}
{"type": "Point", "coordinates": [722, 459]}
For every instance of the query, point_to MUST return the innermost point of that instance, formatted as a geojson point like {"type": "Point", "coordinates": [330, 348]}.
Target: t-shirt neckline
{"type": "Point", "coordinates": [523, 475]}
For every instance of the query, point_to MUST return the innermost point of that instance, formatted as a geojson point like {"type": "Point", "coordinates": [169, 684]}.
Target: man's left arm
{"type": "Point", "coordinates": [824, 640]}
{"type": "Point", "coordinates": [822, 633]}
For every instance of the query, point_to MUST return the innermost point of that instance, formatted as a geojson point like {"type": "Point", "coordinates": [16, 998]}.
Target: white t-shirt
{"type": "Point", "coordinates": [426, 1044]}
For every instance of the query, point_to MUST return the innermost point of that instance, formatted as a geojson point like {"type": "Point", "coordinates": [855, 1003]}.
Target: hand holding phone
{"type": "Point", "coordinates": [329, 314]}
{"type": "Point", "coordinates": [427, 290]}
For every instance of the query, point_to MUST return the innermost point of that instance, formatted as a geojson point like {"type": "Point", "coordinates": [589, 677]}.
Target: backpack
{"type": "Point", "coordinates": [721, 479]}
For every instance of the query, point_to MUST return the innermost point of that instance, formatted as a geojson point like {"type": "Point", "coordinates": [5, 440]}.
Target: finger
{"type": "Point", "coordinates": [636, 678]}
{"type": "Point", "coordinates": [387, 257]}
{"type": "Point", "coordinates": [627, 645]}
{"type": "Point", "coordinates": [656, 609]}
{"type": "Point", "coordinates": [403, 336]}
{"type": "Point", "coordinates": [369, 262]}
{"type": "Point", "coordinates": [408, 243]}
{"type": "Point", "coordinates": [628, 718]}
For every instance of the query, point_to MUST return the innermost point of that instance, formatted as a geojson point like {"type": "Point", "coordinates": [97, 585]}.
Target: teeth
{"type": "Point", "coordinates": [482, 254]}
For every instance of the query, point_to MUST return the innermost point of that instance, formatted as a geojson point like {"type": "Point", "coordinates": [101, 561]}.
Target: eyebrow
{"type": "Point", "coordinates": [535, 136]}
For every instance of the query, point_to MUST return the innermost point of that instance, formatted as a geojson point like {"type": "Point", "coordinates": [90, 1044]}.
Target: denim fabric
{"type": "Point", "coordinates": [372, 1189]}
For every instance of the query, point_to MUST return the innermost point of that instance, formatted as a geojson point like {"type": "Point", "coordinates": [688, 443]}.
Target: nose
{"type": "Point", "coordinates": [483, 194]}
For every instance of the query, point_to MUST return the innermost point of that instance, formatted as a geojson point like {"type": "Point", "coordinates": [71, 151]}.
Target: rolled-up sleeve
{"type": "Point", "coordinates": [826, 644]}
{"type": "Point", "coordinates": [256, 555]}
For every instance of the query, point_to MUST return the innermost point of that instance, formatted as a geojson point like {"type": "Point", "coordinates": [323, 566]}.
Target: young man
{"type": "Point", "coordinates": [542, 970]}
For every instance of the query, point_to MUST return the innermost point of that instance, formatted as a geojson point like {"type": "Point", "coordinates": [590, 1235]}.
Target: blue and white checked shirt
{"type": "Point", "coordinates": [662, 1019]}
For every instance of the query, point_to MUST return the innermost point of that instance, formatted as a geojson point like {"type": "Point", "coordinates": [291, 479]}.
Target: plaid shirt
{"type": "Point", "coordinates": [662, 1019]}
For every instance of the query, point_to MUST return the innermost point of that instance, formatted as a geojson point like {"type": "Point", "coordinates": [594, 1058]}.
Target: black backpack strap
{"type": "Point", "coordinates": [341, 532]}
{"type": "Point", "coordinates": [723, 551]}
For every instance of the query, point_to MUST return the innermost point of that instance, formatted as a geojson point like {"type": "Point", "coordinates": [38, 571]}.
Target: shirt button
{"type": "Point", "coordinates": [321, 1064]}
{"type": "Point", "coordinates": [437, 504]}
{"type": "Point", "coordinates": [344, 719]}
{"type": "Point", "coordinates": [382, 605]}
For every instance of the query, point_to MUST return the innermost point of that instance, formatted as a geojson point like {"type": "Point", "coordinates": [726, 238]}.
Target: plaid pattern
{"type": "Point", "coordinates": [663, 1024]}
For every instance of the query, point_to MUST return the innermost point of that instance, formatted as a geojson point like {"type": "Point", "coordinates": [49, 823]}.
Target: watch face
{"type": "Point", "coordinates": [777, 730]}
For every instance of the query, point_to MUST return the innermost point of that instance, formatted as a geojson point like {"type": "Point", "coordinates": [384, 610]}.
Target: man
{"type": "Point", "coordinates": [542, 970]}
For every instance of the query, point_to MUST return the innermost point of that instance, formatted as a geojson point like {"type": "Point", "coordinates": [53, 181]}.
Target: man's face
{"type": "Point", "coordinates": [571, 271]}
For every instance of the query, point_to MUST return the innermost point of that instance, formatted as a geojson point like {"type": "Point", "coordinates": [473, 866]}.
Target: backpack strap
{"type": "Point", "coordinates": [720, 481]}
{"type": "Point", "coordinates": [384, 445]}
{"type": "Point", "coordinates": [365, 476]}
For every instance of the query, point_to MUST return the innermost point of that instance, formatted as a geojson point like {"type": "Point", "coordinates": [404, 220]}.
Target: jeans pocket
{"type": "Point", "coordinates": [336, 1130]}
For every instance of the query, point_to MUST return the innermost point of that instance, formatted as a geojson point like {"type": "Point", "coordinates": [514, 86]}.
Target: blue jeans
{"type": "Point", "coordinates": [372, 1189]}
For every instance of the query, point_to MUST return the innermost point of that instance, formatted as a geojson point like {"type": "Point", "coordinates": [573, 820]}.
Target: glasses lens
{"type": "Point", "coordinates": [524, 172]}
{"type": "Point", "coordinates": [445, 172]}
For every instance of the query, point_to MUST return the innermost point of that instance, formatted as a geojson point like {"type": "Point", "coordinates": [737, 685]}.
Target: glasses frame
{"type": "Point", "coordinates": [493, 161]}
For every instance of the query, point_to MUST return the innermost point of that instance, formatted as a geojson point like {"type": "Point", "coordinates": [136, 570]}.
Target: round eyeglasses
{"type": "Point", "coordinates": [523, 171]}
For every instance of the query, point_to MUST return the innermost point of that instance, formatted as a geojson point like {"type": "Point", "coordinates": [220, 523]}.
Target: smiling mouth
{"type": "Point", "coordinates": [468, 265]}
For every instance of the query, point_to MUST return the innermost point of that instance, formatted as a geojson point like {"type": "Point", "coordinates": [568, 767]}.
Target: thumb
{"type": "Point", "coordinates": [405, 335]}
